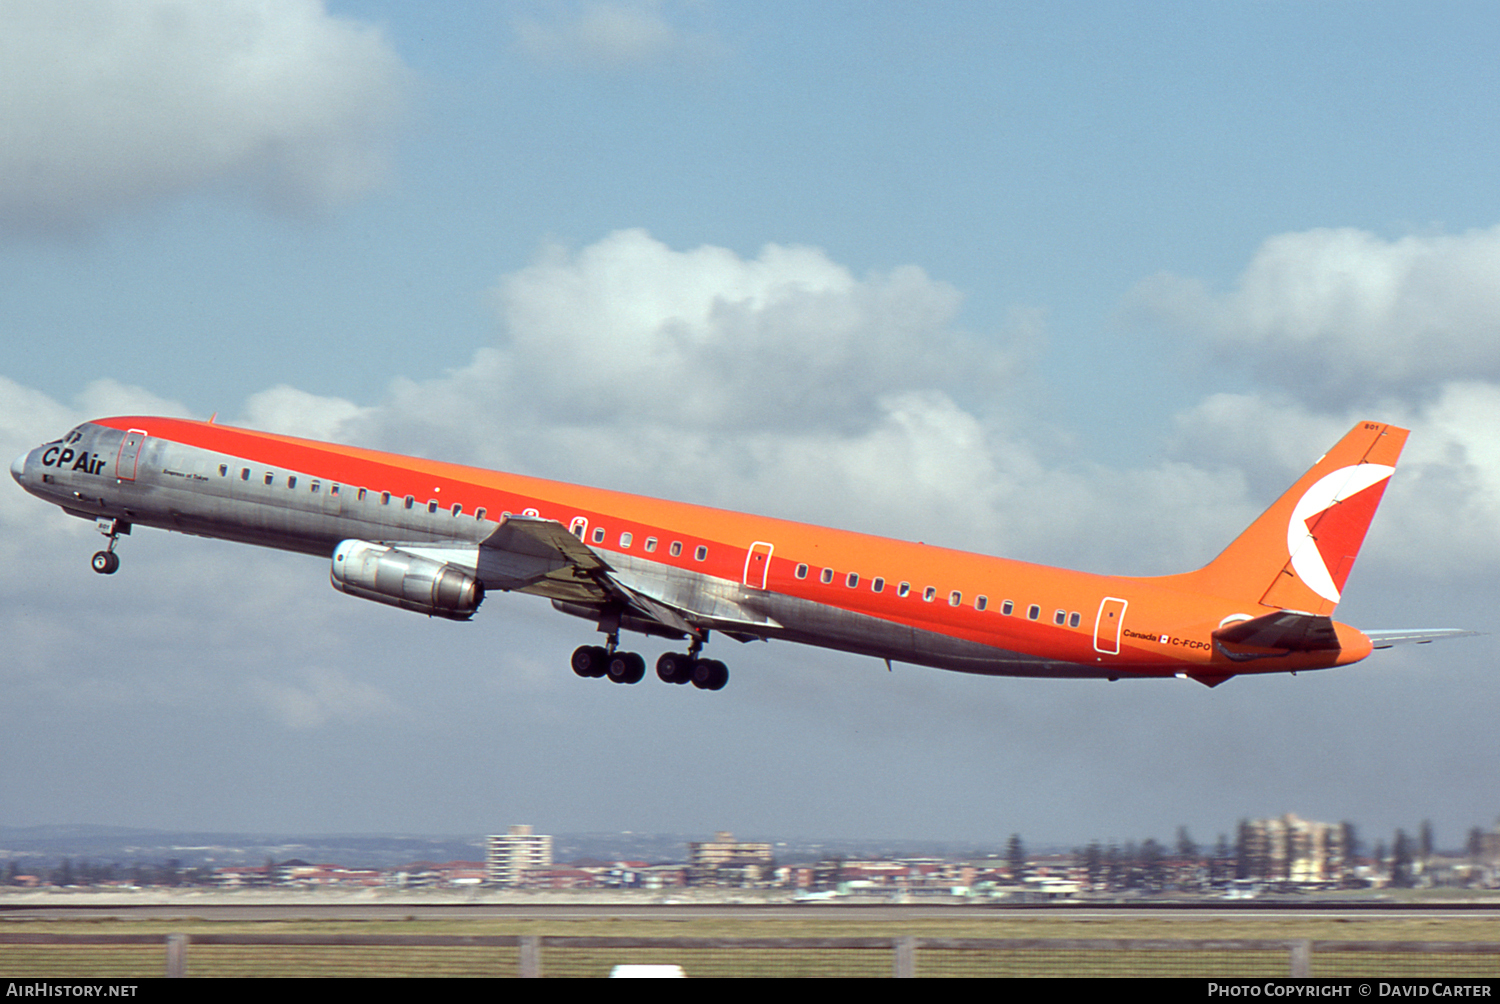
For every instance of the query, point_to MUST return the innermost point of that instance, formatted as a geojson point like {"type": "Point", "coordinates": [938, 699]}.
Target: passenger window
{"type": "Point", "coordinates": [244, 474]}
{"type": "Point", "coordinates": [955, 598]}
{"type": "Point", "coordinates": [826, 575]}
{"type": "Point", "coordinates": [458, 508]}
{"type": "Point", "coordinates": [1074, 619]}
{"type": "Point", "coordinates": [598, 534]}
{"type": "Point", "coordinates": [223, 470]}
{"type": "Point", "coordinates": [903, 589]}
{"type": "Point", "coordinates": [333, 489]}
{"type": "Point", "coordinates": [291, 482]}
{"type": "Point", "coordinates": [650, 545]}
{"type": "Point", "coordinates": [877, 585]}
{"type": "Point", "coordinates": [1033, 612]}
{"type": "Point", "coordinates": [980, 602]}
{"type": "Point", "coordinates": [1007, 608]}
{"type": "Point", "coordinates": [432, 506]}
{"type": "Point", "coordinates": [270, 477]}
{"type": "Point", "coordinates": [411, 500]}
{"type": "Point", "coordinates": [852, 580]}
{"type": "Point", "coordinates": [625, 539]}
{"type": "Point", "coordinates": [801, 571]}
{"type": "Point", "coordinates": [313, 487]}
{"type": "Point", "coordinates": [676, 548]}
{"type": "Point", "coordinates": [385, 498]}
{"type": "Point", "coordinates": [929, 593]}
{"type": "Point", "coordinates": [479, 513]}
{"type": "Point", "coordinates": [1059, 617]}
{"type": "Point", "coordinates": [701, 553]}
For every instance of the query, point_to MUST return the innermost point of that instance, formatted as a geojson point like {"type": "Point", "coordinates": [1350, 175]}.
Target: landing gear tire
{"type": "Point", "coordinates": [106, 562]}
{"type": "Point", "coordinates": [589, 661]}
{"type": "Point", "coordinates": [673, 667]}
{"type": "Point", "coordinates": [625, 667]}
{"type": "Point", "coordinates": [710, 674]}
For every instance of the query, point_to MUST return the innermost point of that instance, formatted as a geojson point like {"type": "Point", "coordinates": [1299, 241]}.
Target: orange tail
{"type": "Point", "coordinates": [1298, 554]}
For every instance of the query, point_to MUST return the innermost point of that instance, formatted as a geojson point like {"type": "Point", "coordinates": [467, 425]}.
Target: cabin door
{"type": "Point", "coordinates": [130, 451]}
{"type": "Point", "coordinates": [758, 564]}
{"type": "Point", "coordinates": [1107, 625]}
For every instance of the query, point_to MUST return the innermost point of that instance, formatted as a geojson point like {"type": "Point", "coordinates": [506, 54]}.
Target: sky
{"type": "Point", "coordinates": [1087, 284]}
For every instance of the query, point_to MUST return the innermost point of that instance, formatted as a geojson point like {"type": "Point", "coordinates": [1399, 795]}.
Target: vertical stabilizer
{"type": "Point", "coordinates": [1298, 554]}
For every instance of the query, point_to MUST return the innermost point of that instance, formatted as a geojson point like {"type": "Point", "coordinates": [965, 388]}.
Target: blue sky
{"type": "Point", "coordinates": [1086, 284]}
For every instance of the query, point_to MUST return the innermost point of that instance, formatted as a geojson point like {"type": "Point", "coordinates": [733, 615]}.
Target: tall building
{"type": "Point", "coordinates": [726, 861]}
{"type": "Point", "coordinates": [1290, 849]}
{"type": "Point", "coordinates": [510, 855]}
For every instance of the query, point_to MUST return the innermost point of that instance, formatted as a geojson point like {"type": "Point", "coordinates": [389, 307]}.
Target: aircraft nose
{"type": "Point", "coordinates": [18, 467]}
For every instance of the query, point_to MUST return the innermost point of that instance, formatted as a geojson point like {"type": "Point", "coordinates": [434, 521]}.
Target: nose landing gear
{"type": "Point", "coordinates": [107, 562]}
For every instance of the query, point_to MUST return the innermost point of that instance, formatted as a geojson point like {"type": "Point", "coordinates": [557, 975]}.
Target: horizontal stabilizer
{"type": "Point", "coordinates": [1277, 634]}
{"type": "Point", "coordinates": [1416, 636]}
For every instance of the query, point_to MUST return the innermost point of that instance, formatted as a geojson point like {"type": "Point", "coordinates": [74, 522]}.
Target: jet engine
{"type": "Point", "coordinates": [401, 579]}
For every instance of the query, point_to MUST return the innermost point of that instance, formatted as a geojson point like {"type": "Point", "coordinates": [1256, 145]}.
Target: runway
{"type": "Point", "coordinates": [224, 909]}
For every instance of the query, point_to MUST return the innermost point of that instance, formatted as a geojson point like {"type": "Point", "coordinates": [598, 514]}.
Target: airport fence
{"type": "Point", "coordinates": [125, 956]}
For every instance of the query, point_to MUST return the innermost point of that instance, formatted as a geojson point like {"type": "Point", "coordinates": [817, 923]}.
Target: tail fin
{"type": "Point", "coordinates": [1298, 554]}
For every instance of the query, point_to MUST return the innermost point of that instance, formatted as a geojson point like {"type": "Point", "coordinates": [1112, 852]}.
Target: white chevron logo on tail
{"type": "Point", "coordinates": [1329, 523]}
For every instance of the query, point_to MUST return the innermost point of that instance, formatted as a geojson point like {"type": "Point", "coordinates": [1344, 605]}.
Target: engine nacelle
{"type": "Point", "coordinates": [409, 581]}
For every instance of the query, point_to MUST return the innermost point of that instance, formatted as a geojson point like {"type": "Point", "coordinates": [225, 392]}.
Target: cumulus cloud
{"type": "Point", "coordinates": [1444, 521]}
{"type": "Point", "coordinates": [28, 417]}
{"type": "Point", "coordinates": [780, 382]}
{"type": "Point", "coordinates": [113, 104]}
{"type": "Point", "coordinates": [614, 35]}
{"type": "Point", "coordinates": [707, 339]}
{"type": "Point", "coordinates": [1345, 326]}
{"type": "Point", "coordinates": [294, 412]}
{"type": "Point", "coordinates": [1345, 315]}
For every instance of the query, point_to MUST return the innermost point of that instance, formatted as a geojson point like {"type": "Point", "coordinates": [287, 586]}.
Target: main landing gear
{"type": "Point", "coordinates": [595, 661]}
{"type": "Point", "coordinates": [705, 674]}
{"type": "Point", "coordinates": [107, 562]}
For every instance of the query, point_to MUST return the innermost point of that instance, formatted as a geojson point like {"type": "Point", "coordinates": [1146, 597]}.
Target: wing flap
{"type": "Point", "coordinates": [541, 556]}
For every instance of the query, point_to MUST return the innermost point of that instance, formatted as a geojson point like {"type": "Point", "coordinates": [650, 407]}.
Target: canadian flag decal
{"type": "Point", "coordinates": [1329, 523]}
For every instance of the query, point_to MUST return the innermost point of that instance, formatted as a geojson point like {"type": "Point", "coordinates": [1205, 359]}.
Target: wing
{"type": "Point", "coordinates": [540, 556]}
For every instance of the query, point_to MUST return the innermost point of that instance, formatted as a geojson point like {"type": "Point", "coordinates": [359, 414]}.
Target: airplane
{"type": "Point", "coordinates": [436, 538]}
